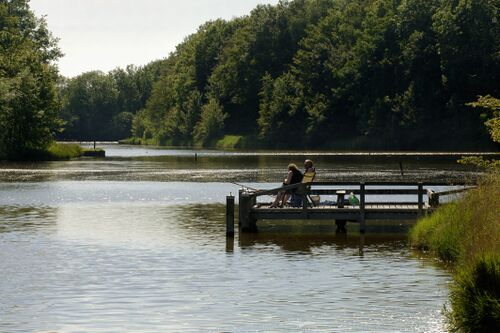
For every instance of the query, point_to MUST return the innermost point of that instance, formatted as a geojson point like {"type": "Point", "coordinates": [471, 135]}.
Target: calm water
{"type": "Point", "coordinates": [135, 243]}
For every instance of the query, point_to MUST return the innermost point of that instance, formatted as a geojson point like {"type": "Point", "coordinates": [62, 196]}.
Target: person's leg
{"type": "Point", "coordinates": [276, 201]}
{"type": "Point", "coordinates": [286, 196]}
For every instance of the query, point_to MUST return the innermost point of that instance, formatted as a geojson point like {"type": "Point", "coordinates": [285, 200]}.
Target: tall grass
{"type": "Point", "coordinates": [466, 233]}
{"type": "Point", "coordinates": [62, 151]}
{"type": "Point", "coordinates": [475, 297]}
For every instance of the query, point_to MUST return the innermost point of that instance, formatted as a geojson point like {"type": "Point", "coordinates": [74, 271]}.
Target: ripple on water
{"type": "Point", "coordinates": [99, 256]}
{"type": "Point", "coordinates": [147, 269]}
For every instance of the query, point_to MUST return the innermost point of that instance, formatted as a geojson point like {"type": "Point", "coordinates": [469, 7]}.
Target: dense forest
{"type": "Point", "coordinates": [389, 74]}
{"type": "Point", "coordinates": [99, 106]}
{"type": "Point", "coordinates": [354, 74]}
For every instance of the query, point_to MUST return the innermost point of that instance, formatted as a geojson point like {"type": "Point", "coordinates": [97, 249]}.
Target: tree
{"type": "Point", "coordinates": [211, 124]}
{"type": "Point", "coordinates": [89, 105]}
{"type": "Point", "coordinates": [281, 116]}
{"type": "Point", "coordinates": [390, 74]}
{"type": "Point", "coordinates": [28, 96]}
{"type": "Point", "coordinates": [102, 106]}
{"type": "Point", "coordinates": [491, 112]}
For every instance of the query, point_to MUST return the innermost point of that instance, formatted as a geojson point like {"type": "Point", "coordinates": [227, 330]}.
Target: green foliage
{"type": "Point", "coordinates": [211, 124]}
{"type": "Point", "coordinates": [475, 297]}
{"type": "Point", "coordinates": [230, 142]}
{"type": "Point", "coordinates": [99, 106]}
{"type": "Point", "coordinates": [466, 233]}
{"type": "Point", "coordinates": [311, 73]}
{"type": "Point", "coordinates": [63, 151]}
{"type": "Point", "coordinates": [280, 101]}
{"type": "Point", "coordinates": [442, 231]}
{"type": "Point", "coordinates": [491, 108]}
{"type": "Point", "coordinates": [28, 98]}
{"type": "Point", "coordinates": [89, 105]}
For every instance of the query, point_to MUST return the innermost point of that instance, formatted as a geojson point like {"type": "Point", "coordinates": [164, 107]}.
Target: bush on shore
{"type": "Point", "coordinates": [466, 234]}
{"type": "Point", "coordinates": [475, 297]}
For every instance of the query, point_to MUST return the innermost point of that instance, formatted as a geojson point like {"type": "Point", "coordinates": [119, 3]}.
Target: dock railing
{"type": "Point", "coordinates": [250, 210]}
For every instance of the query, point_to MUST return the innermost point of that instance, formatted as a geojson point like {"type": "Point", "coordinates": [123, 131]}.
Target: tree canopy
{"type": "Point", "coordinates": [370, 74]}
{"type": "Point", "coordinates": [28, 97]}
{"type": "Point", "coordinates": [392, 74]}
{"type": "Point", "coordinates": [102, 106]}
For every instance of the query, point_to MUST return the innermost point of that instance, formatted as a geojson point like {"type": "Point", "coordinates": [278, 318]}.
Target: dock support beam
{"type": "Point", "coordinates": [362, 226]}
{"type": "Point", "coordinates": [246, 202]}
{"type": "Point", "coordinates": [230, 216]}
{"type": "Point", "coordinates": [420, 199]}
{"type": "Point", "coordinates": [340, 204]}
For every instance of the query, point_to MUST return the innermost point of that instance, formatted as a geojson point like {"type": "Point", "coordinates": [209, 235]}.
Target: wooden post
{"type": "Point", "coordinates": [420, 198]}
{"type": "Point", "coordinates": [246, 201]}
{"type": "Point", "coordinates": [362, 226]}
{"type": "Point", "coordinates": [340, 204]}
{"type": "Point", "coordinates": [230, 216]}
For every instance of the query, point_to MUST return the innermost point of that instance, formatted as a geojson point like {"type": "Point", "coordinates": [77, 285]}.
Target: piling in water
{"type": "Point", "coordinates": [229, 216]}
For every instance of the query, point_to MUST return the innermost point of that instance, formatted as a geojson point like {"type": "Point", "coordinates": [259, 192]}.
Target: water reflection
{"type": "Point", "coordinates": [236, 166]}
{"type": "Point", "coordinates": [151, 267]}
{"type": "Point", "coordinates": [302, 237]}
{"type": "Point", "coordinates": [138, 243]}
{"type": "Point", "coordinates": [23, 219]}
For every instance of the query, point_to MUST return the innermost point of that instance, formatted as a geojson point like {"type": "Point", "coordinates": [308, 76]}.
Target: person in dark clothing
{"type": "Point", "coordinates": [294, 176]}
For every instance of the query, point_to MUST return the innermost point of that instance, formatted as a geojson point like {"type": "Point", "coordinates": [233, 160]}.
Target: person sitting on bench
{"type": "Point", "coordinates": [294, 176]}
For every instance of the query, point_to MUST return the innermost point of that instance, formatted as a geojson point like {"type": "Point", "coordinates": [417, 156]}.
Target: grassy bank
{"type": "Point", "coordinates": [64, 151]}
{"type": "Point", "coordinates": [466, 234]}
{"type": "Point", "coordinates": [226, 142]}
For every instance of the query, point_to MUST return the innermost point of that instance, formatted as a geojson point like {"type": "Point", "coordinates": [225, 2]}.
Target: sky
{"type": "Point", "coordinates": [105, 34]}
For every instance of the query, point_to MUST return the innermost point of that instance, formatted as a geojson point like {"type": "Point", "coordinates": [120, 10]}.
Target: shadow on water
{"type": "Point", "coordinates": [201, 221]}
{"type": "Point", "coordinates": [206, 224]}
{"type": "Point", "coordinates": [20, 219]}
{"type": "Point", "coordinates": [306, 237]}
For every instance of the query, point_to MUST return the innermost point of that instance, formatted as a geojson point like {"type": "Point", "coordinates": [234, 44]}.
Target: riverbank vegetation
{"type": "Point", "coordinates": [466, 233]}
{"type": "Point", "coordinates": [366, 74]}
{"type": "Point", "coordinates": [64, 151]}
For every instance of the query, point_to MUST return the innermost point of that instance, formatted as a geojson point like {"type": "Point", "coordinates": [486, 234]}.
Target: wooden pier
{"type": "Point", "coordinates": [376, 201]}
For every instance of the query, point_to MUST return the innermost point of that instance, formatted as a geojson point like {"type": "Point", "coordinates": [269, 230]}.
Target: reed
{"type": "Point", "coordinates": [466, 233]}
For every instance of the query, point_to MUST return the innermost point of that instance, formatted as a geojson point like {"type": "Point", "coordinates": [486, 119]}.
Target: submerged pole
{"type": "Point", "coordinates": [230, 216]}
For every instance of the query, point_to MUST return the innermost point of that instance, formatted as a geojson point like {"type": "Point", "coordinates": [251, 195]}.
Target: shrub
{"type": "Point", "coordinates": [466, 233]}
{"type": "Point", "coordinates": [475, 297]}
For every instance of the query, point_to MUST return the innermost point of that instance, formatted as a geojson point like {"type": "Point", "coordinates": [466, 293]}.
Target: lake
{"type": "Point", "coordinates": [135, 242]}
